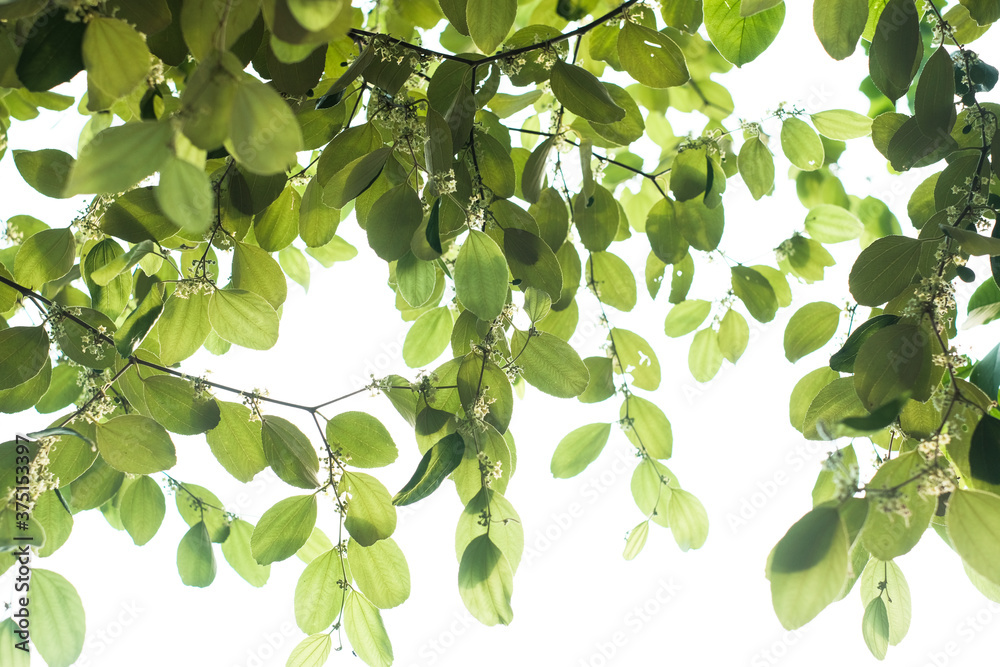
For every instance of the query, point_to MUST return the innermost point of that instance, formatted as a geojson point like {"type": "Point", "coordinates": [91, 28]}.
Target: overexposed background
{"type": "Point", "coordinates": [576, 601]}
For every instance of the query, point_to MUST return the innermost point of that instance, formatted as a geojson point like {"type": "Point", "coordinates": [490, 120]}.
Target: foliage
{"type": "Point", "coordinates": [223, 102]}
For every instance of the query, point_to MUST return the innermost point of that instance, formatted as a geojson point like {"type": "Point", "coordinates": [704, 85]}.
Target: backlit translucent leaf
{"type": "Point", "coordinates": [756, 165]}
{"type": "Point", "coordinates": [973, 520]}
{"type": "Point", "coordinates": [394, 217]}
{"type": "Point", "coordinates": [896, 596]}
{"type": "Point", "coordinates": [734, 335]}
{"type": "Point", "coordinates": [371, 515]}
{"type": "Point", "coordinates": [366, 632]}
{"type": "Point", "coordinates": [236, 550]}
{"type": "Point", "coordinates": [119, 157]}
{"type": "Point", "coordinates": [57, 618]}
{"type": "Point", "coordinates": [312, 651]}
{"type": "Point", "coordinates": [740, 40]}
{"type": "Point", "coordinates": [136, 444]}
{"type": "Point", "coordinates": [808, 567]}
{"type": "Point", "coordinates": [263, 133]}
{"type": "Point", "coordinates": [810, 328]}
{"type": "Point", "coordinates": [801, 145]}
{"type": "Point", "coordinates": [841, 124]}
{"type": "Point", "coordinates": [579, 449]}
{"type": "Point", "coordinates": [875, 628]}
{"type": "Point", "coordinates": [756, 293]}
{"type": "Point", "coordinates": [195, 558]}
{"type": "Point", "coordinates": [142, 509]}
{"type": "Point", "coordinates": [688, 520]}
{"type": "Point", "coordinates": [243, 318]}
{"type": "Point", "coordinates": [884, 269]}
{"type": "Point", "coordinates": [363, 438]}
{"type": "Point", "coordinates": [289, 453]}
{"type": "Point", "coordinates": [686, 316]}
{"type": "Point", "coordinates": [832, 224]}
{"type": "Point", "coordinates": [650, 57]}
{"type": "Point", "coordinates": [44, 256]}
{"type": "Point", "coordinates": [489, 21]}
{"type": "Point", "coordinates": [283, 529]}
{"type": "Point", "coordinates": [381, 572]}
{"type": "Point", "coordinates": [318, 595]}
{"type": "Point", "coordinates": [581, 92]}
{"type": "Point", "coordinates": [839, 24]}
{"type": "Point", "coordinates": [177, 405]}
{"type": "Point", "coordinates": [236, 441]}
{"type": "Point", "coordinates": [705, 356]}
{"type": "Point", "coordinates": [638, 358]}
{"type": "Point", "coordinates": [23, 353]}
{"type": "Point", "coordinates": [649, 429]}
{"type": "Point", "coordinates": [486, 582]}
{"type": "Point", "coordinates": [652, 487]}
{"type": "Point", "coordinates": [549, 364]}
{"type": "Point", "coordinates": [636, 540]}
{"type": "Point", "coordinates": [116, 59]}
{"type": "Point", "coordinates": [887, 535]}
{"type": "Point", "coordinates": [45, 170]}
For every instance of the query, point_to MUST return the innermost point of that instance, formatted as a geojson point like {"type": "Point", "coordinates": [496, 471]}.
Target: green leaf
{"type": "Point", "coordinates": [887, 535]}
{"type": "Point", "coordinates": [801, 145]}
{"type": "Point", "coordinates": [313, 651]}
{"type": "Point", "coordinates": [688, 520]}
{"type": "Point", "coordinates": [356, 177]}
{"type": "Point", "coordinates": [884, 269]}
{"type": "Point", "coordinates": [243, 318]}
{"type": "Point", "coordinates": [650, 57]}
{"type": "Point", "coordinates": [974, 530]}
{"type": "Point", "coordinates": [828, 223]}
{"type": "Point", "coordinates": [756, 165]}
{"type": "Point", "coordinates": [652, 487]}
{"type": "Point", "coordinates": [195, 558]}
{"type": "Point", "coordinates": [236, 550]}
{"type": "Point", "coordinates": [830, 405]}
{"type": "Point", "coordinates": [489, 21]}
{"type": "Point", "coordinates": [57, 618]}
{"type": "Point", "coordinates": [45, 170]}
{"type": "Point", "coordinates": [896, 48]}
{"type": "Point", "coordinates": [613, 279]}
{"type": "Point", "coordinates": [741, 39]}
{"type": "Point", "coordinates": [428, 338]}
{"type": "Point", "coordinates": [142, 509]}
{"type": "Point", "coordinates": [505, 529]}
{"type": "Point", "coordinates": [394, 218]}
{"type": "Point", "coordinates": [436, 464]}
{"type": "Point", "coordinates": [235, 441]}
{"type": "Point", "coordinates": [116, 59]}
{"type": "Point", "coordinates": [971, 242]}
{"type": "Point", "coordinates": [934, 101]}
{"type": "Point", "coordinates": [839, 24]}
{"type": "Point", "coordinates": [178, 406]}
{"type": "Point", "coordinates": [318, 595]}
{"type": "Point", "coordinates": [534, 171]}
{"type": "Point", "coordinates": [596, 218]}
{"type": "Point", "coordinates": [601, 385]}
{"type": "Point", "coordinates": [283, 529]}
{"type": "Point", "coordinates": [362, 438]}
{"type": "Point", "coordinates": [264, 135]}
{"type": "Point", "coordinates": [45, 256]}
{"type": "Point", "coordinates": [636, 356]}
{"type": "Point", "coordinates": [380, 571]}
{"type": "Point", "coordinates": [686, 316]}
{"type": "Point", "coordinates": [486, 582]}
{"type": "Point", "coordinates": [371, 515]}
{"type": "Point", "coordinates": [135, 444]}
{"type": "Point", "coordinates": [649, 429]}
{"type": "Point", "coordinates": [579, 449]}
{"type": "Point", "coordinates": [549, 364]}
{"type": "Point", "coordinates": [875, 628]}
{"type": "Point", "coordinates": [896, 597]}
{"type": "Point", "coordinates": [756, 293]}
{"type": "Point", "coordinates": [496, 168]}
{"type": "Point", "coordinates": [983, 12]}
{"type": "Point", "coordinates": [843, 359]}
{"type": "Point", "coordinates": [895, 361]}
{"type": "Point", "coordinates": [119, 157]}
{"type": "Point", "coordinates": [51, 53]}
{"type": "Point", "coordinates": [289, 453]}
{"type": "Point", "coordinates": [705, 355]}
{"type": "Point", "coordinates": [841, 124]}
{"type": "Point", "coordinates": [24, 351]}
{"type": "Point", "coordinates": [808, 567]}
{"type": "Point", "coordinates": [810, 328]}
{"type": "Point", "coordinates": [583, 94]}
{"type": "Point", "coordinates": [366, 632]}
{"type": "Point", "coordinates": [10, 654]}
{"type": "Point", "coordinates": [984, 454]}
{"type": "Point", "coordinates": [636, 540]}
{"type": "Point", "coordinates": [734, 335]}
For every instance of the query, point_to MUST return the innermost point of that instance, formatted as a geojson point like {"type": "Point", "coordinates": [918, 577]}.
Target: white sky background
{"type": "Point", "coordinates": [576, 601]}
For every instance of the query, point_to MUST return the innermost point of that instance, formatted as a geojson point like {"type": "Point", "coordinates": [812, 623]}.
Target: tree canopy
{"type": "Point", "coordinates": [497, 154]}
